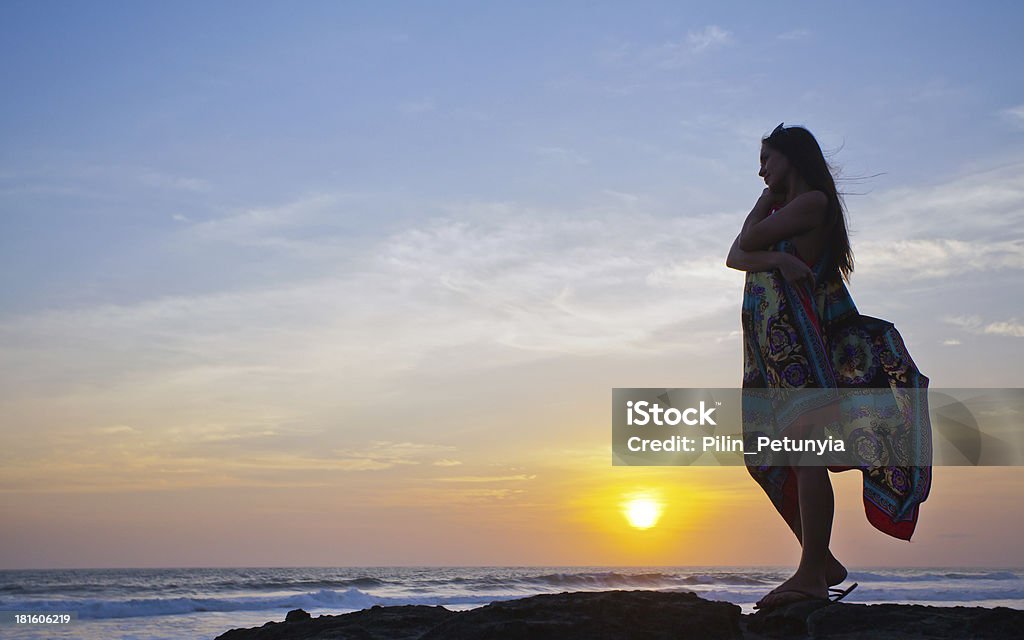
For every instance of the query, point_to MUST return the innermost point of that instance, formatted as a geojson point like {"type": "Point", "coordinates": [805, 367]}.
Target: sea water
{"type": "Point", "coordinates": [177, 604]}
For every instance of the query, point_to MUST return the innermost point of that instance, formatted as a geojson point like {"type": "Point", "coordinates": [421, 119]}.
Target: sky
{"type": "Point", "coordinates": [348, 284]}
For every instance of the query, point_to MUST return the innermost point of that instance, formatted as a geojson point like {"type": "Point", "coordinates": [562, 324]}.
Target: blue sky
{"type": "Point", "coordinates": [251, 245]}
{"type": "Point", "coordinates": [129, 115]}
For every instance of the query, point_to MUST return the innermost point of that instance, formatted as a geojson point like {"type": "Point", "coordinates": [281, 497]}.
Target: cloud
{"type": "Point", "coordinates": [1014, 116]}
{"type": "Point", "coordinates": [974, 324]}
{"type": "Point", "coordinates": [414, 107]}
{"type": "Point", "coordinates": [180, 458]}
{"type": "Point", "coordinates": [484, 479]}
{"type": "Point", "coordinates": [163, 180]}
{"type": "Point", "coordinates": [444, 462]}
{"type": "Point", "coordinates": [270, 225]}
{"type": "Point", "coordinates": [709, 37]}
{"type": "Point", "coordinates": [116, 430]}
{"type": "Point", "coordinates": [469, 285]}
{"type": "Point", "coordinates": [961, 226]}
{"type": "Point", "coordinates": [668, 55]}
{"type": "Point", "coordinates": [630, 200]}
{"type": "Point", "coordinates": [465, 289]}
{"type": "Point", "coordinates": [103, 182]}
{"type": "Point", "coordinates": [965, 322]}
{"type": "Point", "coordinates": [478, 287]}
{"type": "Point", "coordinates": [795, 34]}
{"type": "Point", "coordinates": [941, 258]}
{"type": "Point", "coordinates": [561, 154]}
{"type": "Point", "coordinates": [1010, 328]}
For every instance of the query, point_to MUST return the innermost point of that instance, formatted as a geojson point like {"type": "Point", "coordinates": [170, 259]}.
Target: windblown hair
{"type": "Point", "coordinates": [804, 154]}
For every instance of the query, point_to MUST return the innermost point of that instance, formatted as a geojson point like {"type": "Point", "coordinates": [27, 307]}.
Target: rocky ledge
{"type": "Point", "coordinates": [646, 615]}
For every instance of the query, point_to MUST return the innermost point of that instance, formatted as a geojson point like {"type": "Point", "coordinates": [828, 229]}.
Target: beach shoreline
{"type": "Point", "coordinates": [643, 614]}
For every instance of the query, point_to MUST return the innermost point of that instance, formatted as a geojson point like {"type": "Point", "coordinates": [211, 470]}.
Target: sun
{"type": "Point", "coordinates": [642, 512]}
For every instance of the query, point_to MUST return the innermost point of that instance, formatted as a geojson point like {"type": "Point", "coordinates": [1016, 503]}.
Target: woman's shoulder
{"type": "Point", "coordinates": [808, 200]}
{"type": "Point", "coordinates": [812, 199]}
{"type": "Point", "coordinates": [811, 206]}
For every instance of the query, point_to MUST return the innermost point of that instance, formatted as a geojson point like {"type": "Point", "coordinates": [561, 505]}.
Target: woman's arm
{"type": "Point", "coordinates": [751, 260]}
{"type": "Point", "coordinates": [757, 260]}
{"type": "Point", "coordinates": [793, 269]}
{"type": "Point", "coordinates": [759, 212]}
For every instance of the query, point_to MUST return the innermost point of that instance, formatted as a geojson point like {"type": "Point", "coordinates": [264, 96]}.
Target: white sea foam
{"type": "Point", "coordinates": [349, 600]}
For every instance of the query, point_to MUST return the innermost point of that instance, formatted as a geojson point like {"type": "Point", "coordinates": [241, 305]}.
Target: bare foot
{"type": "Point", "coordinates": [835, 572]}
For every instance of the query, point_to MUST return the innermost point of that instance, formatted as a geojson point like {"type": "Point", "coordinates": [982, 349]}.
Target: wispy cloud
{"type": "Point", "coordinates": [795, 34]}
{"type": "Point", "coordinates": [941, 258]}
{"type": "Point", "coordinates": [101, 182]}
{"type": "Point", "coordinates": [962, 226]}
{"type": "Point", "coordinates": [260, 369]}
{"type": "Point", "coordinates": [975, 324]}
{"type": "Point", "coordinates": [1014, 116]}
{"type": "Point", "coordinates": [561, 154]}
{"type": "Point", "coordinates": [444, 462]}
{"type": "Point", "coordinates": [1007, 328]}
{"type": "Point", "coordinates": [268, 225]}
{"type": "Point", "coordinates": [414, 107]}
{"type": "Point", "coordinates": [485, 479]}
{"type": "Point", "coordinates": [472, 286]}
{"type": "Point", "coordinates": [668, 55]}
{"type": "Point", "coordinates": [163, 180]}
{"type": "Point", "coordinates": [709, 37]}
{"type": "Point", "coordinates": [965, 322]}
{"type": "Point", "coordinates": [128, 458]}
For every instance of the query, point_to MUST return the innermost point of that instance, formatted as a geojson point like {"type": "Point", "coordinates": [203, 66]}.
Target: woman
{"type": "Point", "coordinates": [802, 332]}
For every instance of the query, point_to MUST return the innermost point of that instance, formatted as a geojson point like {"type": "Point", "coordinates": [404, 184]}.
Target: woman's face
{"type": "Point", "coordinates": [775, 169]}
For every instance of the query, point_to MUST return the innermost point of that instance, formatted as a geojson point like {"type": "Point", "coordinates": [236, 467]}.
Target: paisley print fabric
{"type": "Point", "coordinates": [804, 339]}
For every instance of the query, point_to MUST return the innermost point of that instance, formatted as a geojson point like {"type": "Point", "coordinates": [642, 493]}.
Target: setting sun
{"type": "Point", "coordinates": [642, 512]}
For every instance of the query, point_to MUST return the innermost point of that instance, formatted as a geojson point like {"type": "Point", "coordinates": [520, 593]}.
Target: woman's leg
{"type": "Point", "coordinates": [817, 507]}
{"type": "Point", "coordinates": [835, 571]}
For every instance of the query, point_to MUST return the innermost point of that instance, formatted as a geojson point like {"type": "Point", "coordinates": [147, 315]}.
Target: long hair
{"type": "Point", "coordinates": [804, 154]}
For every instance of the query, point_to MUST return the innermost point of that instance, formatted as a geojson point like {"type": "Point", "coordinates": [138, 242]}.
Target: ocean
{"type": "Point", "coordinates": [179, 604]}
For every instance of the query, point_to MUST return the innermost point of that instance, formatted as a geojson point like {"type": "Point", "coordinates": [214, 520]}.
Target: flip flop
{"type": "Point", "coordinates": [841, 593]}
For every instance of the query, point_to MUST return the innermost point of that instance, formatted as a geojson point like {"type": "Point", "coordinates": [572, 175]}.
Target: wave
{"type": "Point", "coordinates": [727, 578]}
{"type": "Point", "coordinates": [349, 599]}
{"type": "Point", "coordinates": [607, 579]}
{"type": "Point", "coordinates": [926, 577]}
{"type": "Point", "coordinates": [184, 587]}
{"type": "Point", "coordinates": [159, 593]}
{"type": "Point", "coordinates": [594, 580]}
{"type": "Point", "coordinates": [353, 599]}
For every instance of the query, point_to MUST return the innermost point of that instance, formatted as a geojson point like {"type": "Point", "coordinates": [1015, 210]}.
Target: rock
{"type": "Point", "coordinates": [408, 622]}
{"type": "Point", "coordinates": [787, 621]}
{"type": "Point", "coordinates": [647, 615]}
{"type": "Point", "coordinates": [652, 615]}
{"type": "Point", "coordinates": [297, 615]}
{"type": "Point", "coordinates": [844, 621]}
{"type": "Point", "coordinates": [915, 621]}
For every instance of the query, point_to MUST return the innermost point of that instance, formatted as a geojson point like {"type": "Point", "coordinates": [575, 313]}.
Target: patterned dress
{"type": "Point", "coordinates": [799, 339]}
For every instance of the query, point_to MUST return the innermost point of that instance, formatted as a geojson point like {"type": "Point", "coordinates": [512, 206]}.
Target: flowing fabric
{"type": "Point", "coordinates": [796, 338]}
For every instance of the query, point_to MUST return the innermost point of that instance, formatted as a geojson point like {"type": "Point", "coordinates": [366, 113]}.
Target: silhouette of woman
{"type": "Point", "coordinates": [801, 333]}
